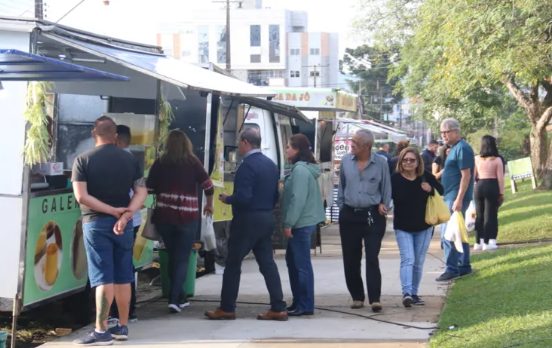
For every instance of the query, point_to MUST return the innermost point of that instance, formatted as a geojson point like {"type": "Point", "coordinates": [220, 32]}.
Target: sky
{"type": "Point", "coordinates": [136, 20]}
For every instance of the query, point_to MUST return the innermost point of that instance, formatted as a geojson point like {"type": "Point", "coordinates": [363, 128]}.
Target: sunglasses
{"type": "Point", "coordinates": [409, 160]}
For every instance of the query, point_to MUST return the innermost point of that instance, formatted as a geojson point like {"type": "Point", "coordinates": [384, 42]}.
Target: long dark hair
{"type": "Point", "coordinates": [302, 144]}
{"type": "Point", "coordinates": [178, 149]}
{"type": "Point", "coordinates": [488, 146]}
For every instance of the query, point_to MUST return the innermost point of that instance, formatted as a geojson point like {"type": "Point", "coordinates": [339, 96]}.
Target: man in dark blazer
{"type": "Point", "coordinates": [255, 194]}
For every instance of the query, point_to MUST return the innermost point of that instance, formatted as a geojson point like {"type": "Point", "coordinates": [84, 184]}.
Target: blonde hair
{"type": "Point", "coordinates": [419, 168]}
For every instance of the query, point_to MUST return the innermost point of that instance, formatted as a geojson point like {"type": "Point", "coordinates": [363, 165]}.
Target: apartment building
{"type": "Point", "coordinates": [269, 47]}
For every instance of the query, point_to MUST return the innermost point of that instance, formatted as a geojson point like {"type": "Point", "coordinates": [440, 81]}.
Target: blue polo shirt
{"type": "Point", "coordinates": [460, 157]}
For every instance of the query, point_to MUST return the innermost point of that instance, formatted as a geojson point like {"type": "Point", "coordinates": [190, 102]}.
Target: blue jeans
{"type": "Point", "coordinates": [456, 263]}
{"type": "Point", "coordinates": [413, 248]}
{"type": "Point", "coordinates": [301, 276]}
{"type": "Point", "coordinates": [109, 255]}
{"type": "Point", "coordinates": [251, 231]}
{"type": "Point", "coordinates": [178, 240]}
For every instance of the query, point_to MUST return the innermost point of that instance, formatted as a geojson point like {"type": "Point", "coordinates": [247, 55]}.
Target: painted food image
{"type": "Point", "coordinates": [48, 256]}
{"type": "Point", "coordinates": [78, 254]}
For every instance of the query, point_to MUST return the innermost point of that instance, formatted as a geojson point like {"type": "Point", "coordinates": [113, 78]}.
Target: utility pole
{"type": "Point", "coordinates": [315, 73]}
{"type": "Point", "coordinates": [227, 36]}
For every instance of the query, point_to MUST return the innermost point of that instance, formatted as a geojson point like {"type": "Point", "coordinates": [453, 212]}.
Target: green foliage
{"type": "Point", "coordinates": [371, 66]}
{"type": "Point", "coordinates": [166, 116]}
{"type": "Point", "coordinates": [37, 141]}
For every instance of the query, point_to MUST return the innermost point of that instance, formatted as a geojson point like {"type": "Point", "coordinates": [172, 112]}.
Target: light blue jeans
{"type": "Point", "coordinates": [413, 248]}
{"type": "Point", "coordinates": [456, 263]}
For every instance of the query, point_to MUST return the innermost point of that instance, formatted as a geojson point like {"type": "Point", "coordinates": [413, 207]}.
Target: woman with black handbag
{"type": "Point", "coordinates": [411, 187]}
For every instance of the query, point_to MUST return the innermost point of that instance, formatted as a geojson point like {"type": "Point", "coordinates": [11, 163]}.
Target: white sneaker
{"type": "Point", "coordinates": [184, 305]}
{"type": "Point", "coordinates": [477, 247]}
{"type": "Point", "coordinates": [174, 308]}
{"type": "Point", "coordinates": [492, 244]}
{"type": "Point", "coordinates": [219, 269]}
{"type": "Point", "coordinates": [484, 247]}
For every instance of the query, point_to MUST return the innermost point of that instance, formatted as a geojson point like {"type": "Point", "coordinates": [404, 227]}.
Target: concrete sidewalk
{"type": "Point", "coordinates": [333, 325]}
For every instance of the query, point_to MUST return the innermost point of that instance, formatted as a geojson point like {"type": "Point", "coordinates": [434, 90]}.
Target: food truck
{"type": "Point", "coordinates": [55, 82]}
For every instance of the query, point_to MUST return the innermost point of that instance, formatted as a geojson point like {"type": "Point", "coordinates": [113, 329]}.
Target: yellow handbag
{"type": "Point", "coordinates": [437, 211]}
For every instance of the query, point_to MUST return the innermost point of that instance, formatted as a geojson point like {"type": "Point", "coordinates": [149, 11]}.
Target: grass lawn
{"type": "Point", "coordinates": [524, 216]}
{"type": "Point", "coordinates": [506, 303]}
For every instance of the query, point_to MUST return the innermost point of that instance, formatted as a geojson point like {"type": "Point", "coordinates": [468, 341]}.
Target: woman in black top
{"type": "Point", "coordinates": [411, 187]}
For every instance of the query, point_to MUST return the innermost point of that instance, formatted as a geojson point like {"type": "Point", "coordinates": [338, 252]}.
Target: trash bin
{"type": "Point", "coordinates": [3, 339]}
{"type": "Point", "coordinates": [189, 285]}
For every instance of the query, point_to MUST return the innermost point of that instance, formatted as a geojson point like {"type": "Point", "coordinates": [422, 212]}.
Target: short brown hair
{"type": "Point", "coordinates": [419, 168]}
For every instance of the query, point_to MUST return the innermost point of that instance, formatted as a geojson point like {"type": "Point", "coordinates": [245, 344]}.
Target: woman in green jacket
{"type": "Point", "coordinates": [302, 211]}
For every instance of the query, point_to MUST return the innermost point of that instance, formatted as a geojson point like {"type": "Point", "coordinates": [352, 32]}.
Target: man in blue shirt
{"type": "Point", "coordinates": [364, 195]}
{"type": "Point", "coordinates": [255, 194]}
{"type": "Point", "coordinates": [457, 181]}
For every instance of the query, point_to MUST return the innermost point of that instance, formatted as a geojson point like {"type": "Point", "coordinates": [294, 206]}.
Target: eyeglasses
{"type": "Point", "coordinates": [448, 131]}
{"type": "Point", "coordinates": [409, 160]}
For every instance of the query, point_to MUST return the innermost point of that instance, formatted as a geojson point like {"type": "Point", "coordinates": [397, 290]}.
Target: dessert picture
{"type": "Point", "coordinates": [48, 256]}
{"type": "Point", "coordinates": [78, 254]}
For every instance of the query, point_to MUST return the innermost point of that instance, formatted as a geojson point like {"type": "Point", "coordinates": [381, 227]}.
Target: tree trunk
{"type": "Point", "coordinates": [539, 154]}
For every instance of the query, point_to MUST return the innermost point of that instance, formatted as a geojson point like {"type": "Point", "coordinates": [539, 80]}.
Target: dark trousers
{"type": "Point", "coordinates": [354, 229]}
{"type": "Point", "coordinates": [178, 240]}
{"type": "Point", "coordinates": [251, 231]}
{"type": "Point", "coordinates": [486, 206]}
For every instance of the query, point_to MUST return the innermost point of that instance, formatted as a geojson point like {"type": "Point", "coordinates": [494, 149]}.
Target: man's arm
{"type": "Point", "coordinates": [136, 203]}
{"type": "Point", "coordinates": [385, 187]}
{"type": "Point", "coordinates": [464, 183]}
{"type": "Point", "coordinates": [243, 186]}
{"type": "Point", "coordinates": [80, 189]}
{"type": "Point", "coordinates": [341, 187]}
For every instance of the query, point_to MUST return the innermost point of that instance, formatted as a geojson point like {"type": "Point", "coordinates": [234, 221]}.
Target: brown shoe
{"type": "Point", "coordinates": [219, 314]}
{"type": "Point", "coordinates": [272, 315]}
{"type": "Point", "coordinates": [376, 307]}
{"type": "Point", "coordinates": [357, 304]}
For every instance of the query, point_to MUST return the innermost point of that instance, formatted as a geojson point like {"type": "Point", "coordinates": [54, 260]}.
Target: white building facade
{"type": "Point", "coordinates": [269, 47]}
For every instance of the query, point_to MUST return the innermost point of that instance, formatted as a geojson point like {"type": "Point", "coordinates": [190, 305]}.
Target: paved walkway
{"type": "Point", "coordinates": [333, 325]}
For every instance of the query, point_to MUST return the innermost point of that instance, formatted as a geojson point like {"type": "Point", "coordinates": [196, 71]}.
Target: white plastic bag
{"type": "Point", "coordinates": [470, 217]}
{"type": "Point", "coordinates": [456, 231]}
{"type": "Point", "coordinates": [208, 233]}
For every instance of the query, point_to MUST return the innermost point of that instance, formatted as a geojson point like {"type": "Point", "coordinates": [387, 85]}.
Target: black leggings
{"type": "Point", "coordinates": [486, 206]}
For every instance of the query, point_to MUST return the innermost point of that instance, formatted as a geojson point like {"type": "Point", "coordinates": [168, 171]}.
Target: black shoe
{"type": "Point", "coordinates": [445, 277]}
{"type": "Point", "coordinates": [299, 312]}
{"type": "Point", "coordinates": [291, 308]}
{"type": "Point", "coordinates": [466, 273]}
{"type": "Point", "coordinates": [407, 300]}
{"type": "Point", "coordinates": [417, 300]}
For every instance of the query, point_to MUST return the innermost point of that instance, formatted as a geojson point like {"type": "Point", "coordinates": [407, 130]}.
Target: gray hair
{"type": "Point", "coordinates": [450, 124]}
{"type": "Point", "coordinates": [252, 136]}
{"type": "Point", "coordinates": [366, 136]}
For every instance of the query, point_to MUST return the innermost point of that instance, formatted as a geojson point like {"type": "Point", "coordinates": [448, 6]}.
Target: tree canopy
{"type": "Point", "coordinates": [460, 57]}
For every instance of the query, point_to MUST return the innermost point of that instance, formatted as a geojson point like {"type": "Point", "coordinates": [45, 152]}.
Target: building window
{"type": "Point", "coordinates": [262, 77]}
{"type": "Point", "coordinates": [315, 73]}
{"type": "Point", "coordinates": [221, 45]}
{"type": "Point", "coordinates": [203, 45]}
{"type": "Point", "coordinates": [255, 58]}
{"type": "Point", "coordinates": [274, 43]}
{"type": "Point", "coordinates": [294, 73]}
{"type": "Point", "coordinates": [254, 35]}
{"type": "Point", "coordinates": [315, 51]}
{"type": "Point", "coordinates": [294, 52]}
